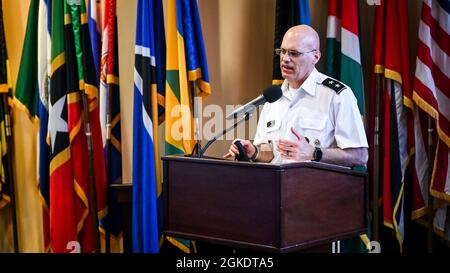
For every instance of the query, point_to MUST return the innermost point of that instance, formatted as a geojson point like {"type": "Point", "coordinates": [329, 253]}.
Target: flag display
{"type": "Point", "coordinates": [109, 107]}
{"type": "Point", "coordinates": [43, 77]}
{"type": "Point", "coordinates": [431, 82]}
{"type": "Point", "coordinates": [86, 82]}
{"type": "Point", "coordinates": [391, 61]}
{"type": "Point", "coordinates": [57, 50]}
{"type": "Point", "coordinates": [186, 66]}
{"type": "Point", "coordinates": [186, 63]}
{"type": "Point", "coordinates": [57, 68]}
{"type": "Point", "coordinates": [148, 108]}
{"type": "Point", "coordinates": [343, 60]}
{"type": "Point", "coordinates": [63, 220]}
{"type": "Point", "coordinates": [32, 94]}
{"type": "Point", "coordinates": [343, 54]}
{"type": "Point", "coordinates": [288, 13]}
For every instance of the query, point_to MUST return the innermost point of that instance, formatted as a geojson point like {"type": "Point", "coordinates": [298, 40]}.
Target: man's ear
{"type": "Point", "coordinates": [317, 55]}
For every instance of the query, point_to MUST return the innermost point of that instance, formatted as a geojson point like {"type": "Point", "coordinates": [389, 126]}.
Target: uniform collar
{"type": "Point", "coordinates": [309, 85]}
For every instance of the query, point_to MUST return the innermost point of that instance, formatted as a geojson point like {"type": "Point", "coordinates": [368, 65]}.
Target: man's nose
{"type": "Point", "coordinates": [286, 58]}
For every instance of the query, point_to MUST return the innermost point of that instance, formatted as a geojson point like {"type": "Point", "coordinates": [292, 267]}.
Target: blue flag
{"type": "Point", "coordinates": [44, 46]}
{"type": "Point", "coordinates": [94, 14]}
{"type": "Point", "coordinates": [148, 94]}
{"type": "Point", "coordinates": [196, 61]}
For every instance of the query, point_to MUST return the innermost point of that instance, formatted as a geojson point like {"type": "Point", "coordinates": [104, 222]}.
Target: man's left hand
{"type": "Point", "coordinates": [298, 150]}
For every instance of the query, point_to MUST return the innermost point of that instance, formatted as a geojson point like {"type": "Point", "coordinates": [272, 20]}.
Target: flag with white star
{"type": "Point", "coordinates": [63, 222]}
{"type": "Point", "coordinates": [82, 79]}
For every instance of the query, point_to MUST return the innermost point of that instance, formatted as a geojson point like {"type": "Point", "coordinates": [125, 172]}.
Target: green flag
{"type": "Point", "coordinates": [343, 54]}
{"type": "Point", "coordinates": [26, 94]}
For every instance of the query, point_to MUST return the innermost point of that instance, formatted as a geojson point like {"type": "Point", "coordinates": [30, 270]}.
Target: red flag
{"type": "Point", "coordinates": [110, 107]}
{"type": "Point", "coordinates": [391, 60]}
{"type": "Point", "coordinates": [432, 95]}
{"type": "Point", "coordinates": [70, 219]}
{"type": "Point", "coordinates": [63, 220]}
{"type": "Point", "coordinates": [87, 82]}
{"type": "Point", "coordinates": [432, 79]}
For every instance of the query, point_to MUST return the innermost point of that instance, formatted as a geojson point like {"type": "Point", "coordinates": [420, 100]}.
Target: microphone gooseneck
{"type": "Point", "coordinates": [270, 94]}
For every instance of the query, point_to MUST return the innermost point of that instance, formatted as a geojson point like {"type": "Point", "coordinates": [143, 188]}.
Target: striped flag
{"type": "Point", "coordinates": [441, 222]}
{"type": "Point", "coordinates": [432, 78]}
{"type": "Point", "coordinates": [110, 113]}
{"type": "Point", "coordinates": [420, 191]}
{"type": "Point", "coordinates": [186, 66]}
{"type": "Point", "coordinates": [43, 76]}
{"type": "Point", "coordinates": [288, 13]}
{"type": "Point", "coordinates": [391, 61]}
{"type": "Point", "coordinates": [103, 71]}
{"type": "Point", "coordinates": [32, 95]}
{"type": "Point", "coordinates": [343, 55]}
{"type": "Point", "coordinates": [343, 62]}
{"type": "Point", "coordinates": [95, 30]}
{"type": "Point", "coordinates": [148, 105]}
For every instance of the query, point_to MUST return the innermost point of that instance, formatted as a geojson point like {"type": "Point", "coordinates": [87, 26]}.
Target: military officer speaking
{"type": "Point", "coordinates": [316, 118]}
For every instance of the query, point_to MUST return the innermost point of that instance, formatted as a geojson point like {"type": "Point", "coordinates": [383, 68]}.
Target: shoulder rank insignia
{"type": "Point", "coordinates": [337, 86]}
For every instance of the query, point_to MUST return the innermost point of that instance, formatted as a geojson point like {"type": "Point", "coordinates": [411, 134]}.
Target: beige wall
{"type": "Point", "coordinates": [126, 20]}
{"type": "Point", "coordinates": [28, 204]}
{"type": "Point", "coordinates": [238, 36]}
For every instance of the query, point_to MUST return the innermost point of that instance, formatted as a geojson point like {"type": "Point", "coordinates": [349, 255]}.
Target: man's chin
{"type": "Point", "coordinates": [287, 77]}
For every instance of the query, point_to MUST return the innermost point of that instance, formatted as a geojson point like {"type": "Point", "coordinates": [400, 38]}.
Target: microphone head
{"type": "Point", "coordinates": [272, 93]}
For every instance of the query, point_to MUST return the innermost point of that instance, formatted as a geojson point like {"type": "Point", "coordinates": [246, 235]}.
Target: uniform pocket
{"type": "Point", "coordinates": [313, 129]}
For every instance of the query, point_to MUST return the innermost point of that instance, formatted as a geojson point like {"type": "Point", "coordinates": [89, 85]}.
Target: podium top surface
{"type": "Point", "coordinates": [276, 166]}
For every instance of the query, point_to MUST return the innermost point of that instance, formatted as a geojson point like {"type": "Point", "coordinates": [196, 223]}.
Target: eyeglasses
{"type": "Point", "coordinates": [291, 53]}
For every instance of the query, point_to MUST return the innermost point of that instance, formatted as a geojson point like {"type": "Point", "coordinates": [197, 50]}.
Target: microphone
{"type": "Point", "coordinates": [270, 94]}
{"type": "Point", "coordinates": [242, 156]}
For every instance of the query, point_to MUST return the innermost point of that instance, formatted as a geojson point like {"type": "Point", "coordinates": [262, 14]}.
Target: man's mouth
{"type": "Point", "coordinates": [286, 68]}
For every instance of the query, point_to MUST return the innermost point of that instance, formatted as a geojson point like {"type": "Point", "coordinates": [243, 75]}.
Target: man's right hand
{"type": "Point", "coordinates": [233, 150]}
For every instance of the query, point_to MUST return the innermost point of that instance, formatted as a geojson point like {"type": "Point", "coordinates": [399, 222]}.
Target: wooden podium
{"type": "Point", "coordinates": [260, 206]}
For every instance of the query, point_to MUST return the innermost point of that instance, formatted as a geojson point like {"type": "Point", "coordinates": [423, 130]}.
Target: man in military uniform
{"type": "Point", "coordinates": [317, 117]}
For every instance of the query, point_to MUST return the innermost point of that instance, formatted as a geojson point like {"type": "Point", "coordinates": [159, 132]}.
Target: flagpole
{"type": "Point", "coordinates": [376, 160]}
{"type": "Point", "coordinates": [108, 170]}
{"type": "Point", "coordinates": [196, 116]}
{"type": "Point", "coordinates": [430, 197]}
{"type": "Point", "coordinates": [9, 140]}
{"type": "Point", "coordinates": [92, 189]}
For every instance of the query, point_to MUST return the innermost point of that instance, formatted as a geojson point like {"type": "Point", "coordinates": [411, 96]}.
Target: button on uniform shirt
{"type": "Point", "coordinates": [328, 118]}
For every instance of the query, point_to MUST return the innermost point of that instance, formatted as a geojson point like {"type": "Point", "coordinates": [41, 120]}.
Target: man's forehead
{"type": "Point", "coordinates": [293, 41]}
